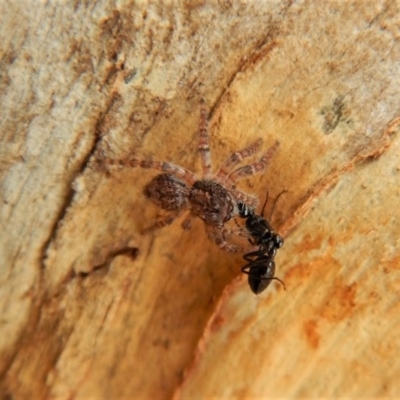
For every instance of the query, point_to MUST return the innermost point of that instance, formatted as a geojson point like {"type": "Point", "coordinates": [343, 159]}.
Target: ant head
{"type": "Point", "coordinates": [278, 241]}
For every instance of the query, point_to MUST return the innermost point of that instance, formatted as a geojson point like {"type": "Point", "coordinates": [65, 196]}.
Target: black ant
{"type": "Point", "coordinates": [260, 265]}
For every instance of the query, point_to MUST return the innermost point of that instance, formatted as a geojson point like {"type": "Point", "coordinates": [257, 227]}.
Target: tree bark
{"type": "Point", "coordinates": [92, 304]}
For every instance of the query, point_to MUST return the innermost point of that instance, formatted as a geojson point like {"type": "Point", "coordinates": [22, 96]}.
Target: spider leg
{"type": "Point", "coordinates": [245, 233]}
{"type": "Point", "coordinates": [236, 158]}
{"type": "Point", "coordinates": [250, 200]}
{"type": "Point", "coordinates": [162, 221]}
{"type": "Point", "coordinates": [254, 168]}
{"type": "Point", "coordinates": [204, 143]}
{"type": "Point", "coordinates": [238, 231]}
{"type": "Point", "coordinates": [167, 167]}
{"type": "Point", "coordinates": [187, 222]}
{"type": "Point", "coordinates": [216, 234]}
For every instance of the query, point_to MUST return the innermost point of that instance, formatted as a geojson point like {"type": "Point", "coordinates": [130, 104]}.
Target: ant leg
{"type": "Point", "coordinates": [261, 258]}
{"type": "Point", "coordinates": [204, 142]}
{"type": "Point", "coordinates": [236, 158]}
{"type": "Point", "coordinates": [176, 170]}
{"type": "Point", "coordinates": [280, 281]}
{"type": "Point", "coordinates": [254, 168]}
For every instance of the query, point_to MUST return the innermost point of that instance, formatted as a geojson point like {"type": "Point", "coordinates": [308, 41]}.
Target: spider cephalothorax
{"type": "Point", "coordinates": [211, 197]}
{"type": "Point", "coordinates": [211, 202]}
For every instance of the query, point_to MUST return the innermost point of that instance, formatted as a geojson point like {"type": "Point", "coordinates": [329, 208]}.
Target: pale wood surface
{"type": "Point", "coordinates": [92, 308]}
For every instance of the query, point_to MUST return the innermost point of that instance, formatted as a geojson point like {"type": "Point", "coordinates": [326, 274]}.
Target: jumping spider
{"type": "Point", "coordinates": [211, 197]}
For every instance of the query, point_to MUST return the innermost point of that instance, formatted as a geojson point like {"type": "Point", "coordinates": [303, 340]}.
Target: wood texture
{"type": "Point", "coordinates": [93, 308]}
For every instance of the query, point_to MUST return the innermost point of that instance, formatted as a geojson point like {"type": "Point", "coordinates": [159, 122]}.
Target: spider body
{"type": "Point", "coordinates": [167, 192]}
{"type": "Point", "coordinates": [211, 202]}
{"type": "Point", "coordinates": [212, 196]}
{"type": "Point", "coordinates": [260, 265]}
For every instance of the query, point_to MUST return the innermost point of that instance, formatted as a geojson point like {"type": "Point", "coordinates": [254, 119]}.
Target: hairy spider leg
{"type": "Point", "coordinates": [176, 170]}
{"type": "Point", "coordinates": [187, 222]}
{"type": "Point", "coordinates": [236, 158]}
{"type": "Point", "coordinates": [250, 200]}
{"type": "Point", "coordinates": [254, 168]}
{"type": "Point", "coordinates": [237, 231]}
{"type": "Point", "coordinates": [217, 235]}
{"type": "Point", "coordinates": [164, 220]}
{"type": "Point", "coordinates": [204, 142]}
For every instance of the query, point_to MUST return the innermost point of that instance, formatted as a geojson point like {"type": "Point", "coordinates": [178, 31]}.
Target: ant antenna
{"type": "Point", "coordinates": [265, 203]}
{"type": "Point", "coordinates": [275, 201]}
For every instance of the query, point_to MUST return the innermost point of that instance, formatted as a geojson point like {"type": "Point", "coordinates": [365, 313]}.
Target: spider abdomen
{"type": "Point", "coordinates": [168, 192]}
